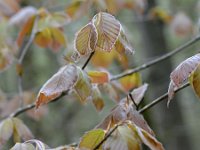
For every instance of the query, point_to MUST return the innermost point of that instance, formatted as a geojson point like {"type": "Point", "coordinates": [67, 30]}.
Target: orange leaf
{"type": "Point", "coordinates": [98, 77]}
{"type": "Point", "coordinates": [131, 81]}
{"type": "Point", "coordinates": [60, 82]}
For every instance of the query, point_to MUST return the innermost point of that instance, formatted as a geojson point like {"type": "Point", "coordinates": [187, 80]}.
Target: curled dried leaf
{"type": "Point", "coordinates": [60, 82]}
{"type": "Point", "coordinates": [181, 74]}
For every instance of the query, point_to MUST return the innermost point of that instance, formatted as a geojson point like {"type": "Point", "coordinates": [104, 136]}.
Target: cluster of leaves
{"type": "Point", "coordinates": [104, 37]}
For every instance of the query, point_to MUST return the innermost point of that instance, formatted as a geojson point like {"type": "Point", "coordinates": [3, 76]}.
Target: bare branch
{"type": "Point", "coordinates": [161, 98]}
{"type": "Point", "coordinates": [159, 59]}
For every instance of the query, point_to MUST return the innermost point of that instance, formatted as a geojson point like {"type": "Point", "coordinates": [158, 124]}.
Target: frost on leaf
{"type": "Point", "coordinates": [97, 99]}
{"type": "Point", "coordinates": [122, 112]}
{"type": "Point", "coordinates": [60, 82]}
{"type": "Point", "coordinates": [181, 74]}
{"type": "Point", "coordinates": [91, 139]}
{"type": "Point", "coordinates": [108, 29]}
{"type": "Point", "coordinates": [138, 93]}
{"type": "Point", "coordinates": [86, 39]}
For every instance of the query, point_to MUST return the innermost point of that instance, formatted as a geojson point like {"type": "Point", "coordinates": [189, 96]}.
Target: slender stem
{"type": "Point", "coordinates": [159, 59]}
{"type": "Point", "coordinates": [106, 137]}
{"type": "Point", "coordinates": [132, 99]}
{"type": "Point", "coordinates": [161, 98]}
{"type": "Point", "coordinates": [88, 60]}
{"type": "Point", "coordinates": [21, 58]}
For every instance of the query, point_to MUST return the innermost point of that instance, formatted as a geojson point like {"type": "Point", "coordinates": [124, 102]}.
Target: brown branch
{"type": "Point", "coordinates": [161, 98]}
{"type": "Point", "coordinates": [159, 59]}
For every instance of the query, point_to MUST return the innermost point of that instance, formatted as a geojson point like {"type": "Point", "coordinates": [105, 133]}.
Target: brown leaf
{"type": "Point", "coordinates": [181, 73]}
{"type": "Point", "coordinates": [138, 93]}
{"type": "Point", "coordinates": [9, 7]}
{"type": "Point", "coordinates": [21, 130]}
{"type": "Point", "coordinates": [149, 140]}
{"type": "Point", "coordinates": [108, 29]}
{"type": "Point", "coordinates": [60, 82]}
{"type": "Point", "coordinates": [6, 130]}
{"type": "Point", "coordinates": [86, 39]}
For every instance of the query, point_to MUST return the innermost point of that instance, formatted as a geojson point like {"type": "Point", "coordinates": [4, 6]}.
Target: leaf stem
{"type": "Point", "coordinates": [132, 99]}
{"type": "Point", "coordinates": [88, 60]}
{"type": "Point", "coordinates": [159, 59]}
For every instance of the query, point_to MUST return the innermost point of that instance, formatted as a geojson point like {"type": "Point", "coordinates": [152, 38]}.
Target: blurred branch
{"type": "Point", "coordinates": [21, 58]}
{"type": "Point", "coordinates": [155, 61]}
{"type": "Point", "coordinates": [161, 98]}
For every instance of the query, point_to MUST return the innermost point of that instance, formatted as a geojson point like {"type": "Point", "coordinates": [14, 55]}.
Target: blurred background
{"type": "Point", "coordinates": [152, 27]}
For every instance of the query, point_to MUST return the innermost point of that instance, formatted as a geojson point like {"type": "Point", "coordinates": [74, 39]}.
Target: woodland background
{"type": "Point", "coordinates": [66, 120]}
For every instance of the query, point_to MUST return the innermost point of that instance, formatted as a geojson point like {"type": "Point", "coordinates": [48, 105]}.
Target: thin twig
{"type": "Point", "coordinates": [106, 137]}
{"type": "Point", "coordinates": [159, 59]}
{"type": "Point", "coordinates": [88, 60]}
{"type": "Point", "coordinates": [21, 58]}
{"type": "Point", "coordinates": [132, 99]}
{"type": "Point", "coordinates": [161, 98]}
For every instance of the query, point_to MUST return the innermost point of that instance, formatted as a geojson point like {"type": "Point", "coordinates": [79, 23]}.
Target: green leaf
{"type": "Point", "coordinates": [91, 139]}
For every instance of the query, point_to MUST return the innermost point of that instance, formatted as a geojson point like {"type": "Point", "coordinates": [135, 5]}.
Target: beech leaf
{"type": "Point", "coordinates": [21, 130]}
{"type": "Point", "coordinates": [83, 86]}
{"type": "Point", "coordinates": [195, 79]}
{"type": "Point", "coordinates": [23, 146]}
{"type": "Point", "coordinates": [6, 130]}
{"type": "Point", "coordinates": [86, 39]}
{"type": "Point", "coordinates": [131, 81]}
{"type": "Point", "coordinates": [123, 138]}
{"type": "Point", "coordinates": [145, 137]}
{"type": "Point", "coordinates": [91, 139]}
{"type": "Point", "coordinates": [98, 77]}
{"type": "Point", "coordinates": [108, 29]}
{"type": "Point", "coordinates": [138, 93]}
{"type": "Point", "coordinates": [60, 82]}
{"type": "Point", "coordinates": [97, 99]}
{"type": "Point", "coordinates": [181, 74]}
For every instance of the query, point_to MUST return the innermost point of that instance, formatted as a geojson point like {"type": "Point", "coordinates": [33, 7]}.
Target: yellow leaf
{"type": "Point", "coordinates": [21, 130]}
{"type": "Point", "coordinates": [6, 130]}
{"type": "Point", "coordinates": [98, 77]}
{"type": "Point", "coordinates": [60, 82]}
{"type": "Point", "coordinates": [102, 59]}
{"type": "Point", "coordinates": [123, 138]}
{"type": "Point", "coordinates": [97, 99]}
{"type": "Point", "coordinates": [91, 139]}
{"type": "Point", "coordinates": [195, 80]}
{"type": "Point", "coordinates": [83, 86]}
{"type": "Point", "coordinates": [86, 39]}
{"type": "Point", "coordinates": [108, 29]}
{"type": "Point", "coordinates": [130, 82]}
